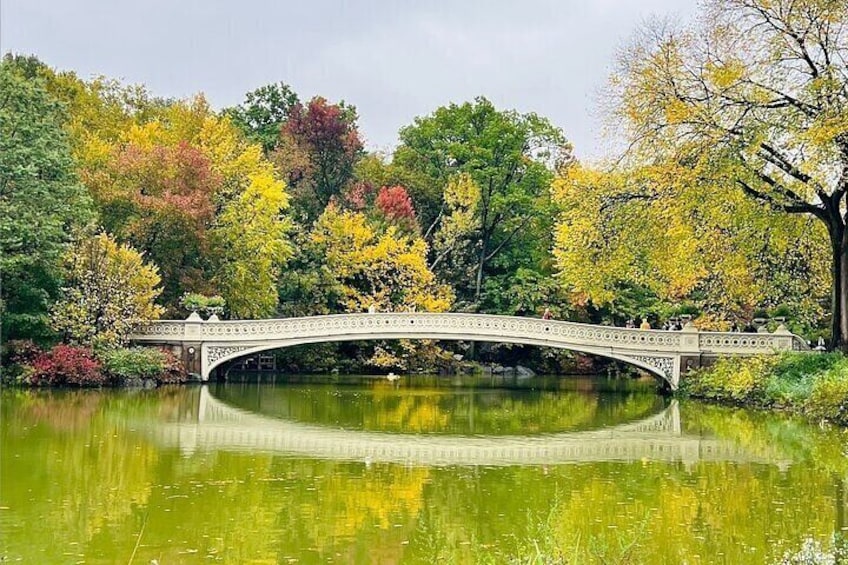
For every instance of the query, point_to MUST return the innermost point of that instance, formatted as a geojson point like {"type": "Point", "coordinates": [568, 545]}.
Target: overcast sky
{"type": "Point", "coordinates": [392, 59]}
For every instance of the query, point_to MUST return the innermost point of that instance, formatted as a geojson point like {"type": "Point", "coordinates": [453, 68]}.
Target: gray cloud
{"type": "Point", "coordinates": [394, 60]}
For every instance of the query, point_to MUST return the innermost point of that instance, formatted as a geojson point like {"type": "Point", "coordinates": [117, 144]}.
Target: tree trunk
{"type": "Point", "coordinates": [839, 295]}
{"type": "Point", "coordinates": [478, 287]}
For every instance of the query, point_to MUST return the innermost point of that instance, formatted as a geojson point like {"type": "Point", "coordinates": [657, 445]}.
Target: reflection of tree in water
{"type": "Point", "coordinates": [769, 435]}
{"type": "Point", "coordinates": [88, 470]}
{"type": "Point", "coordinates": [362, 512]}
{"type": "Point", "coordinates": [62, 410]}
{"type": "Point", "coordinates": [94, 484]}
{"type": "Point", "coordinates": [384, 407]}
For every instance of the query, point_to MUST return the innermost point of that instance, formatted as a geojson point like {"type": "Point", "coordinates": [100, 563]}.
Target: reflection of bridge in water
{"type": "Point", "coordinates": [220, 426]}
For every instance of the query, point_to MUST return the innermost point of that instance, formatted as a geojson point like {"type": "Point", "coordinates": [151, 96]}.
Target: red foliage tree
{"type": "Point", "coordinates": [396, 205]}
{"type": "Point", "coordinates": [358, 196]}
{"type": "Point", "coordinates": [160, 199]}
{"type": "Point", "coordinates": [326, 135]}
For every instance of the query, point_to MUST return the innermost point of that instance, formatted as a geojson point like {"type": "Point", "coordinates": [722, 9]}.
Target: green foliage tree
{"type": "Point", "coordinates": [41, 199]}
{"type": "Point", "coordinates": [110, 289]}
{"type": "Point", "coordinates": [509, 156]}
{"type": "Point", "coordinates": [263, 112]}
{"type": "Point", "coordinates": [756, 96]}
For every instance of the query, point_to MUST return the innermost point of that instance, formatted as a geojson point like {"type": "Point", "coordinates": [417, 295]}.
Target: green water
{"type": "Point", "coordinates": [408, 472]}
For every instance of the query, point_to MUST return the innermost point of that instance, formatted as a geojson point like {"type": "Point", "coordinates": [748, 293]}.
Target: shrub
{"type": "Point", "coordinates": [797, 366]}
{"type": "Point", "coordinates": [193, 301]}
{"type": "Point", "coordinates": [173, 372]}
{"type": "Point", "coordinates": [123, 364]}
{"type": "Point", "coordinates": [794, 375]}
{"type": "Point", "coordinates": [815, 384]}
{"type": "Point", "coordinates": [17, 358]}
{"type": "Point", "coordinates": [130, 363]}
{"type": "Point", "coordinates": [21, 351]}
{"type": "Point", "coordinates": [215, 302]}
{"type": "Point", "coordinates": [733, 379]}
{"type": "Point", "coordinates": [66, 365]}
{"type": "Point", "coordinates": [829, 395]}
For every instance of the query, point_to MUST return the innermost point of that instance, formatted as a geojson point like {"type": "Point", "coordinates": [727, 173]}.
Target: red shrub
{"type": "Point", "coordinates": [67, 365]}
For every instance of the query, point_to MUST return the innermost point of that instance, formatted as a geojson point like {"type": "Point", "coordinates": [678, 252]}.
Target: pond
{"type": "Point", "coordinates": [364, 470]}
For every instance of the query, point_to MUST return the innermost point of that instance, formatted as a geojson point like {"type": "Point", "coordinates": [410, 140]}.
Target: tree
{"type": "Point", "coordinates": [187, 189]}
{"type": "Point", "coordinates": [263, 113]}
{"type": "Point", "coordinates": [646, 239]}
{"type": "Point", "coordinates": [252, 240]}
{"type": "Point", "coordinates": [41, 200]}
{"type": "Point", "coordinates": [159, 199]}
{"type": "Point", "coordinates": [317, 149]}
{"type": "Point", "coordinates": [110, 290]}
{"type": "Point", "coordinates": [395, 205]}
{"type": "Point", "coordinates": [510, 157]}
{"type": "Point", "coordinates": [756, 98]}
{"type": "Point", "coordinates": [386, 269]}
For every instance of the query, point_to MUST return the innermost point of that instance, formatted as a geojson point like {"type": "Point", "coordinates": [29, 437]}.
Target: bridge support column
{"type": "Point", "coordinates": [690, 353]}
{"type": "Point", "coordinates": [191, 358]}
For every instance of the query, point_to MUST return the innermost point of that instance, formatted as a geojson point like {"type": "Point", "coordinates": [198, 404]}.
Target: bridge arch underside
{"type": "Point", "coordinates": [665, 372]}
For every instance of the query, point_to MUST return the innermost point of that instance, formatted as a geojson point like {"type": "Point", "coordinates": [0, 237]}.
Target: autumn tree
{"type": "Point", "coordinates": [510, 157]}
{"type": "Point", "coordinates": [384, 268]}
{"type": "Point", "coordinates": [159, 199]}
{"type": "Point", "coordinates": [316, 152]}
{"type": "Point", "coordinates": [364, 263]}
{"type": "Point", "coordinates": [754, 97]}
{"type": "Point", "coordinates": [649, 239]}
{"type": "Point", "coordinates": [395, 205]}
{"type": "Point", "coordinates": [109, 290]}
{"type": "Point", "coordinates": [200, 200]}
{"type": "Point", "coordinates": [41, 199]}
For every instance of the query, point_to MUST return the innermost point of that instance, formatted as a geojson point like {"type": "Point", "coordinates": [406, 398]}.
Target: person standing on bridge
{"type": "Point", "coordinates": [547, 315]}
{"type": "Point", "coordinates": [645, 325]}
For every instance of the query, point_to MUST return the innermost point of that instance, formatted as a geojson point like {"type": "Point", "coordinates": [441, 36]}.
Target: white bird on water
{"type": "Point", "coordinates": [392, 377]}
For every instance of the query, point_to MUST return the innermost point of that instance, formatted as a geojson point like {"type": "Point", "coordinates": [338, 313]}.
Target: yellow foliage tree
{"type": "Point", "coordinates": [754, 96]}
{"type": "Point", "coordinates": [110, 290]}
{"type": "Point", "coordinates": [185, 186]}
{"type": "Point", "coordinates": [667, 229]}
{"type": "Point", "coordinates": [387, 270]}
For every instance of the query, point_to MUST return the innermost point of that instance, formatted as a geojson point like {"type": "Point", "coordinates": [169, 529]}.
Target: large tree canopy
{"type": "Point", "coordinates": [41, 199]}
{"type": "Point", "coordinates": [754, 97]}
{"type": "Point", "coordinates": [204, 204]}
{"type": "Point", "coordinates": [316, 151]}
{"type": "Point", "coordinates": [510, 157]}
{"type": "Point", "coordinates": [109, 290]}
{"type": "Point", "coordinates": [676, 237]}
{"type": "Point", "coordinates": [263, 113]}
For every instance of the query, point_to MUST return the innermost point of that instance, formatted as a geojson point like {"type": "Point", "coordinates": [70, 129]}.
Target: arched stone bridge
{"type": "Point", "coordinates": [219, 426]}
{"type": "Point", "coordinates": [205, 345]}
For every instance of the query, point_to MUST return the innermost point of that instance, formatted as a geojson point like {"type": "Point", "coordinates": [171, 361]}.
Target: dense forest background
{"type": "Point", "coordinates": [117, 205]}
